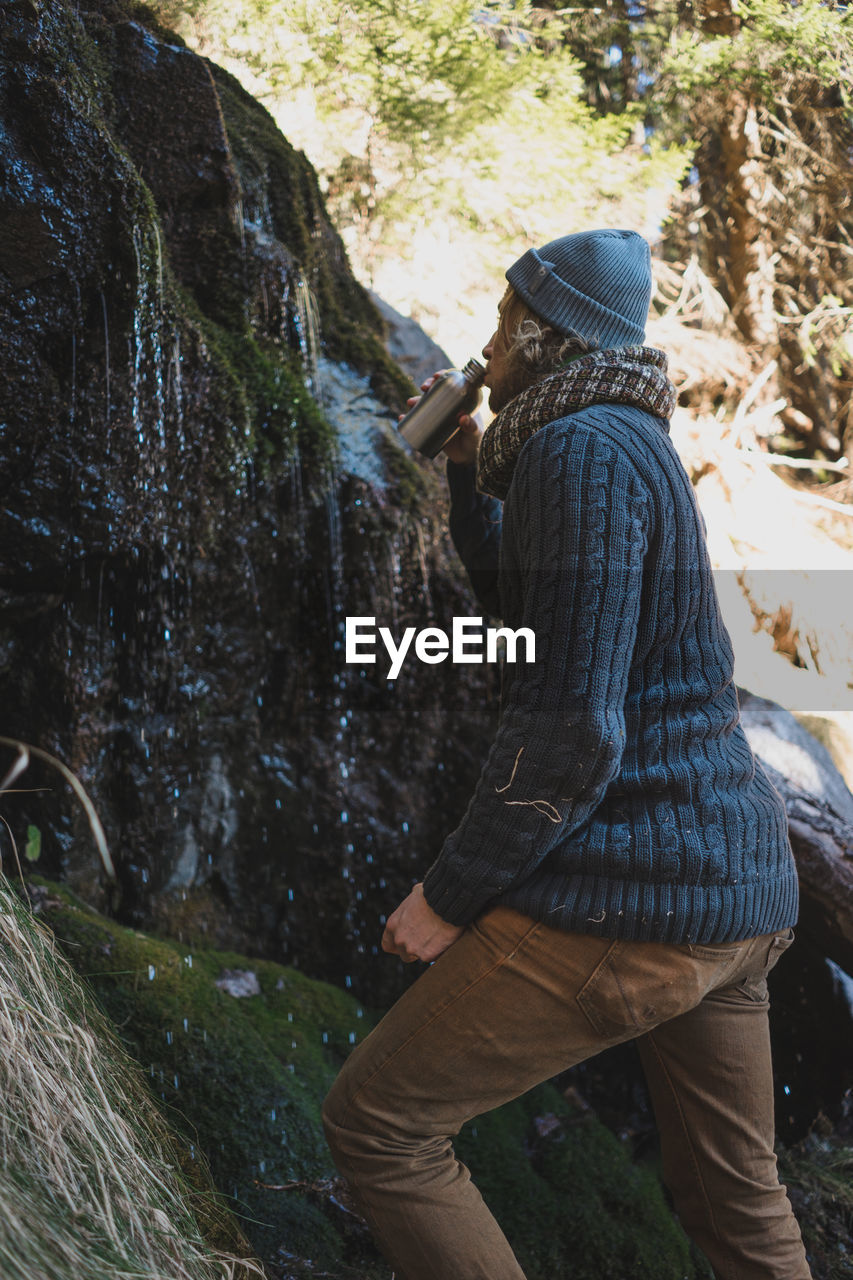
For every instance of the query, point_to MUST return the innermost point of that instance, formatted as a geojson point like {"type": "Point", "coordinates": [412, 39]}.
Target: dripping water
{"type": "Point", "coordinates": [106, 357]}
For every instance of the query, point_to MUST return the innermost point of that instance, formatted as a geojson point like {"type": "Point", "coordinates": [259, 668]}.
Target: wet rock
{"type": "Point", "coordinates": [201, 479]}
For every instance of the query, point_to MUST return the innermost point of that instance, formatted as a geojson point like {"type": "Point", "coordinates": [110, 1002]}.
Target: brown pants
{"type": "Point", "coordinates": [514, 1002]}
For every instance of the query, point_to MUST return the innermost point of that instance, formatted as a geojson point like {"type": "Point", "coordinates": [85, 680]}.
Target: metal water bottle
{"type": "Point", "coordinates": [434, 419]}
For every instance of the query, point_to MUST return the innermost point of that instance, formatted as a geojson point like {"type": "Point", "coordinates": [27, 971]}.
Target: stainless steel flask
{"type": "Point", "coordinates": [434, 419]}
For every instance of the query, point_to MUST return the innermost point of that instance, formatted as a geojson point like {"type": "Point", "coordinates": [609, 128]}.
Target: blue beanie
{"type": "Point", "coordinates": [597, 283]}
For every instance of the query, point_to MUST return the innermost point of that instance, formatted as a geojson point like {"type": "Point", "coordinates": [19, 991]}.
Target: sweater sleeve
{"type": "Point", "coordinates": [575, 531]}
{"type": "Point", "coordinates": [475, 527]}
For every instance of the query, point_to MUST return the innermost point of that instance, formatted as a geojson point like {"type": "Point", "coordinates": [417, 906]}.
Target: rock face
{"type": "Point", "coordinates": [184, 527]}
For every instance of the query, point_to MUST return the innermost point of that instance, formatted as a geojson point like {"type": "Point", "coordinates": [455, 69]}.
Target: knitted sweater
{"type": "Point", "coordinates": [620, 796]}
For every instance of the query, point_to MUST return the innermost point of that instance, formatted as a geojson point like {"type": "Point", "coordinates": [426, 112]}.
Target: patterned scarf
{"type": "Point", "coordinates": [623, 375]}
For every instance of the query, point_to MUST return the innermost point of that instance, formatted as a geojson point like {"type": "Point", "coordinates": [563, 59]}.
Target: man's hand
{"type": "Point", "coordinates": [463, 446]}
{"type": "Point", "coordinates": [415, 932]}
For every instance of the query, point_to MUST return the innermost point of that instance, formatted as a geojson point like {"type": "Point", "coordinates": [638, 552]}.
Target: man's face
{"type": "Point", "coordinates": [496, 351]}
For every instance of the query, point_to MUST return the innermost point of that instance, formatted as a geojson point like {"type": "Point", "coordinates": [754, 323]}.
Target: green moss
{"type": "Point", "coordinates": [267, 395]}
{"type": "Point", "coordinates": [568, 1196]}
{"type": "Point", "coordinates": [281, 408]}
{"type": "Point", "coordinates": [242, 1079]}
{"type": "Point", "coordinates": [414, 488]}
{"type": "Point", "coordinates": [351, 328]}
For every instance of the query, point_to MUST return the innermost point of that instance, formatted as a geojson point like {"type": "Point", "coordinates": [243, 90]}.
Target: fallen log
{"type": "Point", "coordinates": [820, 819]}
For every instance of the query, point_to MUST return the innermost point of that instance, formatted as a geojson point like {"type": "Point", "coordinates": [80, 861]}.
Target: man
{"type": "Point", "coordinates": [623, 868]}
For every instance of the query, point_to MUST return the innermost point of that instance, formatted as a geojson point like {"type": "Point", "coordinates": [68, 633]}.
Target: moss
{"type": "Point", "coordinates": [262, 391]}
{"type": "Point", "coordinates": [414, 487]}
{"type": "Point", "coordinates": [280, 408]}
{"type": "Point", "coordinates": [352, 329]}
{"type": "Point", "coordinates": [568, 1196]}
{"type": "Point", "coordinates": [242, 1079]}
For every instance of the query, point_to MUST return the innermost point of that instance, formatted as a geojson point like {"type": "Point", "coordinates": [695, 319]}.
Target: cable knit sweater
{"type": "Point", "coordinates": [620, 796]}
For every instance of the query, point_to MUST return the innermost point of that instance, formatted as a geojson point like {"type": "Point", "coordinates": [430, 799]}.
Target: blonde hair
{"type": "Point", "coordinates": [535, 349]}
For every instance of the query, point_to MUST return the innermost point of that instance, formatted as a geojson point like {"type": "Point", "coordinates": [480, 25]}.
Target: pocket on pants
{"type": "Point", "coordinates": [638, 985]}
{"type": "Point", "coordinates": [754, 985]}
{"type": "Point", "coordinates": [780, 943]}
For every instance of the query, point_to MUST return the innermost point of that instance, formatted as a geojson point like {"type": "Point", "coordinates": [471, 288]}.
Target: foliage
{"type": "Point", "coordinates": [775, 44]}
{"type": "Point", "coordinates": [415, 111]}
{"type": "Point", "coordinates": [764, 88]}
{"type": "Point", "coordinates": [32, 850]}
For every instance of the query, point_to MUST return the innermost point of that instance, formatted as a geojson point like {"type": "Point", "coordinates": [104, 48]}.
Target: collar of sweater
{"type": "Point", "coordinates": [623, 375]}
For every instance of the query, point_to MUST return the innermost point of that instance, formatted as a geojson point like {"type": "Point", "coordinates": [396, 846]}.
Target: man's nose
{"type": "Point", "coordinates": [489, 348]}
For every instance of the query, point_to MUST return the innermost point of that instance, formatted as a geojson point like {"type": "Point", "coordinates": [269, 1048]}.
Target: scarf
{"type": "Point", "coordinates": [623, 375]}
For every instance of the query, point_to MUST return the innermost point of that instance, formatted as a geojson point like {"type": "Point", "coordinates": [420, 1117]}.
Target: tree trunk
{"type": "Point", "coordinates": [732, 183]}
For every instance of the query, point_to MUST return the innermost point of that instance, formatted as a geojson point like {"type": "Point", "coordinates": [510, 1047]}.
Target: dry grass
{"type": "Point", "coordinates": [88, 1183]}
